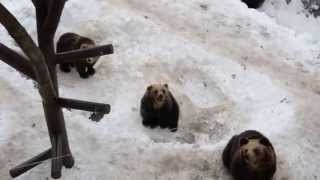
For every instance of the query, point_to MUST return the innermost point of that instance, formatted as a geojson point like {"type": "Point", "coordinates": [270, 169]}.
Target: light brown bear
{"type": "Point", "coordinates": [159, 108]}
{"type": "Point", "coordinates": [250, 156]}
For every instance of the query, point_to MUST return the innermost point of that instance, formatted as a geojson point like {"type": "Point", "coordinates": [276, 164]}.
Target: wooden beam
{"type": "Point", "coordinates": [24, 167]}
{"type": "Point", "coordinates": [16, 61]}
{"type": "Point", "coordinates": [81, 54]}
{"type": "Point", "coordinates": [51, 22]}
{"type": "Point", "coordinates": [55, 121]}
{"type": "Point", "coordinates": [68, 160]}
{"type": "Point", "coordinates": [47, 90]}
{"type": "Point", "coordinates": [57, 157]}
{"type": "Point", "coordinates": [84, 105]}
{"type": "Point", "coordinates": [56, 126]}
{"type": "Point", "coordinates": [23, 39]}
{"type": "Point", "coordinates": [41, 12]}
{"type": "Point", "coordinates": [34, 2]}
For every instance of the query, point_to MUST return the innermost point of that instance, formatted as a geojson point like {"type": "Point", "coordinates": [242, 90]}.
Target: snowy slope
{"type": "Point", "coordinates": [230, 68]}
{"type": "Point", "coordinates": [295, 15]}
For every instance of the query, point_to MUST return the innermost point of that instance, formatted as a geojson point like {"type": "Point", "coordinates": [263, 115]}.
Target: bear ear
{"type": "Point", "coordinates": [243, 141]}
{"type": "Point", "coordinates": [264, 141]}
{"type": "Point", "coordinates": [166, 85]}
{"type": "Point", "coordinates": [149, 88]}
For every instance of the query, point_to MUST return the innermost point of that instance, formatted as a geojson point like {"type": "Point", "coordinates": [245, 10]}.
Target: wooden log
{"type": "Point", "coordinates": [46, 25]}
{"type": "Point", "coordinates": [57, 156]}
{"type": "Point", "coordinates": [16, 61]}
{"type": "Point", "coordinates": [84, 105]}
{"type": "Point", "coordinates": [68, 161]}
{"type": "Point", "coordinates": [45, 72]}
{"type": "Point", "coordinates": [23, 39]}
{"type": "Point", "coordinates": [52, 19]}
{"type": "Point", "coordinates": [27, 165]}
{"type": "Point", "coordinates": [41, 12]}
{"type": "Point", "coordinates": [81, 54]}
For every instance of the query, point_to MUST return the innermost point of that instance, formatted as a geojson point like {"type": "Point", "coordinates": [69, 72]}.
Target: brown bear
{"type": "Point", "coordinates": [71, 41]}
{"type": "Point", "coordinates": [250, 156]}
{"type": "Point", "coordinates": [159, 108]}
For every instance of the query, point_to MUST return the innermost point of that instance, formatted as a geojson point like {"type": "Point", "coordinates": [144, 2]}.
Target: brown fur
{"type": "Point", "coordinates": [250, 156]}
{"type": "Point", "coordinates": [159, 108]}
{"type": "Point", "coordinates": [257, 156]}
{"type": "Point", "coordinates": [160, 95]}
{"type": "Point", "coordinates": [72, 41]}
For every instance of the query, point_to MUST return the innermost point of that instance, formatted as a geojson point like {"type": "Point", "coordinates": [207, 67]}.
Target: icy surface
{"type": "Point", "coordinates": [230, 68]}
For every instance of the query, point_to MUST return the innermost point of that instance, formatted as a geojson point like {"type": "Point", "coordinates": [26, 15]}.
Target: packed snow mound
{"type": "Point", "coordinates": [230, 68]}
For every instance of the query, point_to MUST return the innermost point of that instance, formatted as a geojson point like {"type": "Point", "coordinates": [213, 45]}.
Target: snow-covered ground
{"type": "Point", "coordinates": [292, 14]}
{"type": "Point", "coordinates": [230, 68]}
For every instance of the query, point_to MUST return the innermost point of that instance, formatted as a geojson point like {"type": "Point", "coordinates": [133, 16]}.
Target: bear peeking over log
{"type": "Point", "coordinates": [71, 41]}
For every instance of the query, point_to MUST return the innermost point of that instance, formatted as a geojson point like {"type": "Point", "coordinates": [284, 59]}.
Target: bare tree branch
{"type": "Point", "coordinates": [16, 61]}
{"type": "Point", "coordinates": [72, 56]}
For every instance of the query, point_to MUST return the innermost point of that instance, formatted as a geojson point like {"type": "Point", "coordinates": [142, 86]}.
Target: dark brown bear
{"type": "Point", "coordinates": [72, 41]}
{"type": "Point", "coordinates": [159, 108]}
{"type": "Point", "coordinates": [250, 156]}
{"type": "Point", "coordinates": [253, 3]}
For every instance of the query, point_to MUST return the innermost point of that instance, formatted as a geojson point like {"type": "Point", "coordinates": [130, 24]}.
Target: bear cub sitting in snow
{"type": "Point", "coordinates": [159, 108]}
{"type": "Point", "coordinates": [253, 3]}
{"type": "Point", "coordinates": [72, 41]}
{"type": "Point", "coordinates": [250, 156]}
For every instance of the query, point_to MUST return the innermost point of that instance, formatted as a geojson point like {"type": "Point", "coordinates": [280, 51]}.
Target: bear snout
{"type": "Point", "coordinates": [160, 97]}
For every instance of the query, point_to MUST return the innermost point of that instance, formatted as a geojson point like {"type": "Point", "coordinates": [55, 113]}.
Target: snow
{"type": "Point", "coordinates": [294, 16]}
{"type": "Point", "coordinates": [230, 68]}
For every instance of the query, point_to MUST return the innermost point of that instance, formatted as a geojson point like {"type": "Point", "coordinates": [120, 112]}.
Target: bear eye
{"type": "Point", "coordinates": [83, 46]}
{"type": "Point", "coordinates": [156, 91]}
{"type": "Point", "coordinates": [264, 141]}
{"type": "Point", "coordinates": [163, 91]}
{"type": "Point", "coordinates": [243, 141]}
{"type": "Point", "coordinates": [89, 60]}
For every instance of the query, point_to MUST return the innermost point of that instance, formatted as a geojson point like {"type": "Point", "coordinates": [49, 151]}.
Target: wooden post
{"type": "Point", "coordinates": [17, 171]}
{"type": "Point", "coordinates": [71, 56]}
{"type": "Point", "coordinates": [40, 65]}
{"type": "Point", "coordinates": [16, 61]}
{"type": "Point", "coordinates": [84, 105]}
